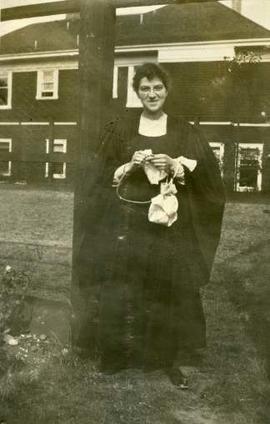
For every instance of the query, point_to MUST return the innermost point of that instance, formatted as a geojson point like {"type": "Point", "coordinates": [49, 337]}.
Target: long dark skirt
{"type": "Point", "coordinates": [144, 303]}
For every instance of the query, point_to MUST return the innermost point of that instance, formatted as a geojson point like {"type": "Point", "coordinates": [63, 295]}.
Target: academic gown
{"type": "Point", "coordinates": [141, 281]}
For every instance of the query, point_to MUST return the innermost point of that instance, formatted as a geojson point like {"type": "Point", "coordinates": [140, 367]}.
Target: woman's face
{"type": "Point", "coordinates": [152, 94]}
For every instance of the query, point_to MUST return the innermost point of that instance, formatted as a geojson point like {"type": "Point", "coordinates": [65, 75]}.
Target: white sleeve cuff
{"type": "Point", "coordinates": [188, 163]}
{"type": "Point", "coordinates": [178, 167]}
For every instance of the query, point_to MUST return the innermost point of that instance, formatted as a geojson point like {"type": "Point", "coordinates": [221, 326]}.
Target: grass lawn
{"type": "Point", "coordinates": [231, 386]}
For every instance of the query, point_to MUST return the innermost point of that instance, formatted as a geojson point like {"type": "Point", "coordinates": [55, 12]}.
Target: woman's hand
{"type": "Point", "coordinates": [138, 158]}
{"type": "Point", "coordinates": [162, 162]}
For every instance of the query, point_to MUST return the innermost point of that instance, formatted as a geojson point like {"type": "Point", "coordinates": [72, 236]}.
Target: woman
{"type": "Point", "coordinates": [142, 279]}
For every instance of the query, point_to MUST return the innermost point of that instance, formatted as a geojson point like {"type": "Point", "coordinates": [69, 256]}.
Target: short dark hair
{"type": "Point", "coordinates": [150, 71]}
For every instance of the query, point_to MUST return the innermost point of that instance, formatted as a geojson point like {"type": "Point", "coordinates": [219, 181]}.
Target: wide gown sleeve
{"type": "Point", "coordinates": [205, 195]}
{"type": "Point", "coordinates": [99, 194]}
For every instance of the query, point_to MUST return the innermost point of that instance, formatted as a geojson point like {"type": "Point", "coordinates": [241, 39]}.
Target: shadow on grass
{"type": "Point", "coordinates": [246, 277]}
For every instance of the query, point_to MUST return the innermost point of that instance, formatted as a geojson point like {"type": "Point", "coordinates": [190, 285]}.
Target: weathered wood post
{"type": "Point", "coordinates": [96, 58]}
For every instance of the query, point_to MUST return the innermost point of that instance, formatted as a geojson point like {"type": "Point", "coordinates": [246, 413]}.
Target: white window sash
{"type": "Point", "coordinates": [8, 76]}
{"type": "Point", "coordinates": [40, 82]}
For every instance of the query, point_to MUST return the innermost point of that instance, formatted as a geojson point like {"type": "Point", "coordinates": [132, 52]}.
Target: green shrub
{"type": "Point", "coordinates": [13, 290]}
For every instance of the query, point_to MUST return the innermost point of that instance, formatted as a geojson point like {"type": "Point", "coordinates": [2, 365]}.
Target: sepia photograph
{"type": "Point", "coordinates": [135, 211]}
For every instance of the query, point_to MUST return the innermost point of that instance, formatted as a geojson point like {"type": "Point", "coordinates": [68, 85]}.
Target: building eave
{"type": "Point", "coordinates": [39, 55]}
{"type": "Point", "coordinates": [160, 48]}
{"type": "Point", "coordinates": [235, 42]}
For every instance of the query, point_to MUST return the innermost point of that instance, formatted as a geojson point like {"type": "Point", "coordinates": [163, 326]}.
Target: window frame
{"type": "Point", "coordinates": [9, 172]}
{"type": "Point", "coordinates": [59, 142]}
{"type": "Point", "coordinates": [40, 82]}
{"type": "Point", "coordinates": [221, 146]}
{"type": "Point", "coordinates": [49, 146]}
{"type": "Point", "coordinates": [8, 75]}
{"type": "Point", "coordinates": [132, 100]}
{"type": "Point", "coordinates": [260, 147]}
{"type": "Point", "coordinates": [63, 175]}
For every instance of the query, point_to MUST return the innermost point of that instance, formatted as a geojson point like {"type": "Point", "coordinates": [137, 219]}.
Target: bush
{"type": "Point", "coordinates": [13, 290]}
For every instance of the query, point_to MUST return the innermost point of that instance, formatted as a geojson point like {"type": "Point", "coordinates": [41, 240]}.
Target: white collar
{"type": "Point", "coordinates": [153, 127]}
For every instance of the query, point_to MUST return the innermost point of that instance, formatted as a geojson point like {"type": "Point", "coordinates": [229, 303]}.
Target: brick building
{"type": "Point", "coordinates": [219, 64]}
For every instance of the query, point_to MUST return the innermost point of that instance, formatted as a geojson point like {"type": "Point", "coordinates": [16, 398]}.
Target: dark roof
{"type": "Point", "coordinates": [47, 36]}
{"type": "Point", "coordinates": [172, 23]}
{"type": "Point", "coordinates": [189, 22]}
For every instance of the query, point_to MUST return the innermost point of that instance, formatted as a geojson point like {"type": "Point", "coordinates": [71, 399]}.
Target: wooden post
{"type": "Point", "coordinates": [96, 59]}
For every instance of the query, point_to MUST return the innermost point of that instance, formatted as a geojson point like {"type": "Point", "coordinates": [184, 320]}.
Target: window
{"type": "Point", "coordinates": [5, 165]}
{"type": "Point", "coordinates": [132, 98]}
{"type": "Point", "coordinates": [59, 146]}
{"type": "Point", "coordinates": [47, 84]}
{"type": "Point", "coordinates": [130, 64]}
{"type": "Point", "coordinates": [5, 90]}
{"type": "Point", "coordinates": [56, 170]}
{"type": "Point", "coordinates": [249, 164]}
{"type": "Point", "coordinates": [218, 150]}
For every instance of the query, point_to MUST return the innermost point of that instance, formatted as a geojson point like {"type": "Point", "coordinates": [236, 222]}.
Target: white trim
{"type": "Point", "coordinates": [38, 123]}
{"type": "Point", "coordinates": [40, 55]}
{"type": "Point", "coordinates": [202, 51]}
{"type": "Point", "coordinates": [163, 49]}
{"type": "Point", "coordinates": [35, 123]}
{"type": "Point", "coordinates": [65, 123]}
{"type": "Point", "coordinates": [234, 124]}
{"type": "Point", "coordinates": [46, 170]}
{"type": "Point", "coordinates": [244, 124]}
{"type": "Point", "coordinates": [47, 141]}
{"type": "Point", "coordinates": [258, 146]}
{"type": "Point", "coordinates": [216, 123]}
{"type": "Point", "coordinates": [8, 75]}
{"type": "Point", "coordinates": [115, 82]}
{"type": "Point", "coordinates": [135, 61]}
{"type": "Point", "coordinates": [243, 42]}
{"type": "Point", "coordinates": [36, 66]}
{"type": "Point", "coordinates": [9, 123]}
{"type": "Point", "coordinates": [70, 53]}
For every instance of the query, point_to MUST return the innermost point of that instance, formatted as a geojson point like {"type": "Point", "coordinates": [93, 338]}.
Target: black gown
{"type": "Point", "coordinates": [141, 280]}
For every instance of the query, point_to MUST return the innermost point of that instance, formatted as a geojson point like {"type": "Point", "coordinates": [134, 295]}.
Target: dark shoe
{"type": "Point", "coordinates": [177, 378]}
